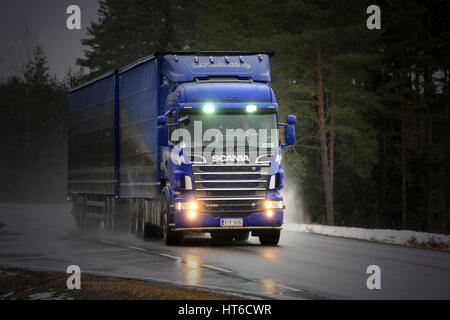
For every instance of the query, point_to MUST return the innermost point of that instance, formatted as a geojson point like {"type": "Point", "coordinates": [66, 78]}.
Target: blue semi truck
{"type": "Point", "coordinates": [179, 142]}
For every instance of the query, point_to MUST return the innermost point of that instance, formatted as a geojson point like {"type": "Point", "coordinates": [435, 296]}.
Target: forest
{"type": "Point", "coordinates": [372, 141]}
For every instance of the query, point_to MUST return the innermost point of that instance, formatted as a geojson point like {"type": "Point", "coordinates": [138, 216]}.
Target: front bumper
{"type": "Point", "coordinates": [209, 222]}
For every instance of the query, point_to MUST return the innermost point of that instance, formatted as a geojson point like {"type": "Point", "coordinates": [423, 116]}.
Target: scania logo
{"type": "Point", "coordinates": [230, 158]}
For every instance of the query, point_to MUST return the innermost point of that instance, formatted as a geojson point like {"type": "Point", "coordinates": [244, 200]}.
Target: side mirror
{"type": "Point", "coordinates": [291, 119]}
{"type": "Point", "coordinates": [161, 120]}
{"type": "Point", "coordinates": [163, 132]}
{"type": "Point", "coordinates": [289, 131]}
{"type": "Point", "coordinates": [289, 135]}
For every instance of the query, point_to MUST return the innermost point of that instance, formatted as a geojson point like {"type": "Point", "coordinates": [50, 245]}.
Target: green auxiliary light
{"type": "Point", "coordinates": [251, 108]}
{"type": "Point", "coordinates": [208, 108]}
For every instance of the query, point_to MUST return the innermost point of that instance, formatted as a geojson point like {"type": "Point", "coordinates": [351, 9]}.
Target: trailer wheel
{"type": "Point", "coordinates": [76, 211]}
{"type": "Point", "coordinates": [108, 214]}
{"type": "Point", "coordinates": [133, 219]}
{"type": "Point", "coordinates": [142, 227]}
{"type": "Point", "coordinates": [170, 237]}
{"type": "Point", "coordinates": [269, 238]}
{"type": "Point", "coordinates": [88, 223]}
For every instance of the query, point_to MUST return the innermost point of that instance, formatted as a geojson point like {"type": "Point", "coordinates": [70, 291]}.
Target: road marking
{"type": "Point", "coordinates": [171, 257]}
{"type": "Point", "coordinates": [136, 248]}
{"type": "Point", "coordinates": [215, 268]}
{"type": "Point", "coordinates": [287, 287]}
{"type": "Point", "coordinates": [108, 242]}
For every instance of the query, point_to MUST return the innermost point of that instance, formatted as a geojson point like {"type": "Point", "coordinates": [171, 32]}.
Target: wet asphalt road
{"type": "Point", "coordinates": [303, 266]}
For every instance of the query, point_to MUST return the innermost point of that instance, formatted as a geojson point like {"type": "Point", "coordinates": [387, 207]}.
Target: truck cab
{"type": "Point", "coordinates": [220, 159]}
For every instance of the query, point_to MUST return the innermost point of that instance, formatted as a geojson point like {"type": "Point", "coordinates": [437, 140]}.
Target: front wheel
{"type": "Point", "coordinates": [170, 237]}
{"type": "Point", "coordinates": [269, 238]}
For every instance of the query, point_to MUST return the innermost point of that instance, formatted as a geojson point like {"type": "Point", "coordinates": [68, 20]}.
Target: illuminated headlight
{"type": "Point", "coordinates": [251, 108]}
{"type": "Point", "coordinates": [276, 204]}
{"type": "Point", "coordinates": [188, 205]}
{"type": "Point", "coordinates": [192, 215]}
{"type": "Point", "coordinates": [208, 108]}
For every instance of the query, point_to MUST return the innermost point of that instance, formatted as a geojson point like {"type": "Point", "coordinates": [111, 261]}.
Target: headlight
{"type": "Point", "coordinates": [192, 215]}
{"type": "Point", "coordinates": [278, 204]}
{"type": "Point", "coordinates": [188, 205]}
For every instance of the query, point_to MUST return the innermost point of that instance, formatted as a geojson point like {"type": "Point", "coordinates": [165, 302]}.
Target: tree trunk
{"type": "Point", "coordinates": [321, 117]}
{"type": "Point", "coordinates": [403, 152]}
{"type": "Point", "coordinates": [429, 139]}
{"type": "Point", "coordinates": [332, 119]}
{"type": "Point", "coordinates": [446, 160]}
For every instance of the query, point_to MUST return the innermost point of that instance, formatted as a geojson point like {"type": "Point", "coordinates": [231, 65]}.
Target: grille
{"type": "Point", "coordinates": [230, 188]}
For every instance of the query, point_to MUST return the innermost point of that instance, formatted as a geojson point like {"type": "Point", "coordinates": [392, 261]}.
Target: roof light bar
{"type": "Point", "coordinates": [251, 108]}
{"type": "Point", "coordinates": [208, 108]}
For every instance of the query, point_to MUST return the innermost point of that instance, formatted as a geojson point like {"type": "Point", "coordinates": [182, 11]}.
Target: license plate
{"type": "Point", "coordinates": [231, 222]}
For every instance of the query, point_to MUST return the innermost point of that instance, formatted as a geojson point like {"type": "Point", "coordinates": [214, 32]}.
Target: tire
{"type": "Point", "coordinates": [88, 224]}
{"type": "Point", "coordinates": [170, 237]}
{"type": "Point", "coordinates": [242, 236]}
{"type": "Point", "coordinates": [112, 221]}
{"type": "Point", "coordinates": [142, 227]}
{"type": "Point", "coordinates": [76, 211]}
{"type": "Point", "coordinates": [132, 217]}
{"type": "Point", "coordinates": [270, 238]}
{"type": "Point", "coordinates": [108, 214]}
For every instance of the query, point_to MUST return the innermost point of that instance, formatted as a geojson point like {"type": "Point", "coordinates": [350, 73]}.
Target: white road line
{"type": "Point", "coordinates": [136, 248]}
{"type": "Point", "coordinates": [172, 257]}
{"type": "Point", "coordinates": [108, 242]}
{"type": "Point", "coordinates": [215, 268]}
{"type": "Point", "coordinates": [289, 288]}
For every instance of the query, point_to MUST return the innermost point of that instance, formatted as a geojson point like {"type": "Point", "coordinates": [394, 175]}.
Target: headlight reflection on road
{"type": "Point", "coordinates": [193, 270]}
{"type": "Point", "coordinates": [268, 253]}
{"type": "Point", "coordinates": [269, 286]}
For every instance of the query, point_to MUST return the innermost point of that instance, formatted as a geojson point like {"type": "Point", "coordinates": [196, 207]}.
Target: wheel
{"type": "Point", "coordinates": [141, 227]}
{"type": "Point", "coordinates": [108, 212]}
{"type": "Point", "coordinates": [112, 214]}
{"type": "Point", "coordinates": [169, 237]}
{"type": "Point", "coordinates": [131, 216]}
{"type": "Point", "coordinates": [135, 221]}
{"type": "Point", "coordinates": [269, 238]}
{"type": "Point", "coordinates": [242, 236]}
{"type": "Point", "coordinates": [77, 211]}
{"type": "Point", "coordinates": [87, 223]}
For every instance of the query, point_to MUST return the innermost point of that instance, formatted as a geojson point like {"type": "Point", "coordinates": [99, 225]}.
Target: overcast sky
{"type": "Point", "coordinates": [25, 23]}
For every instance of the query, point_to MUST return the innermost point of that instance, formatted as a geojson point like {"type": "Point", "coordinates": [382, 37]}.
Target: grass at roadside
{"type": "Point", "coordinates": [23, 284]}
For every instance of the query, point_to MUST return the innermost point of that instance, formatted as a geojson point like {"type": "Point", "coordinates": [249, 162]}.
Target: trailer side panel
{"type": "Point", "coordinates": [91, 137]}
{"type": "Point", "coordinates": [138, 100]}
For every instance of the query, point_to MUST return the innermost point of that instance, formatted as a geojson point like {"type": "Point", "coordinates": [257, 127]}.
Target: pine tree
{"type": "Point", "coordinates": [36, 70]}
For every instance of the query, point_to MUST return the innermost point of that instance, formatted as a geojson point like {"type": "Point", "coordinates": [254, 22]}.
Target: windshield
{"type": "Point", "coordinates": [240, 130]}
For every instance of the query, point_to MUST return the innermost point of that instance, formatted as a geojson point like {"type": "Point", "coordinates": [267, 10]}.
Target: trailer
{"type": "Point", "coordinates": [179, 142]}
